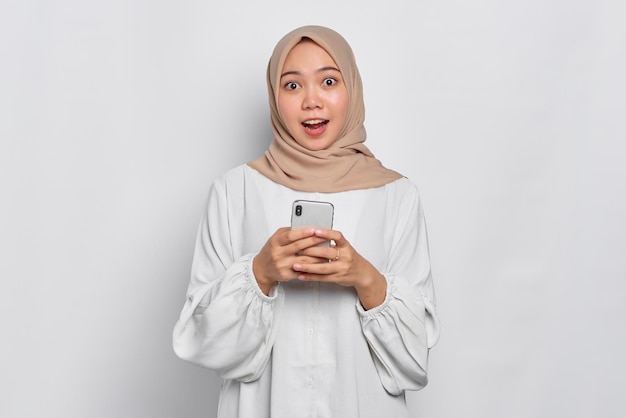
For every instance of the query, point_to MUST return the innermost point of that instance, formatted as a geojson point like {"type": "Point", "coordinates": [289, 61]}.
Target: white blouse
{"type": "Point", "coordinates": [309, 349]}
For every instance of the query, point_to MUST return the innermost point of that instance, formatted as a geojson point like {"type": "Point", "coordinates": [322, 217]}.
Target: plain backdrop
{"type": "Point", "coordinates": [116, 115]}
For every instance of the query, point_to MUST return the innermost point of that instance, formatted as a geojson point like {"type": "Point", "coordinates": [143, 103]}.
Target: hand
{"type": "Point", "coordinates": [344, 266]}
{"type": "Point", "coordinates": [274, 263]}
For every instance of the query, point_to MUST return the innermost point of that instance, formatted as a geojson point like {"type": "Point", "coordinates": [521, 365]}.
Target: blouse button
{"type": "Point", "coordinates": [309, 331]}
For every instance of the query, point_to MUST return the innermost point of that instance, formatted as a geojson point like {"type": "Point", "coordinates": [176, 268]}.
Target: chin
{"type": "Point", "coordinates": [317, 146]}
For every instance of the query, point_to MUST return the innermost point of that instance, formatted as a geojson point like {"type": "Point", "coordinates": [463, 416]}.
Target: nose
{"type": "Point", "coordinates": [312, 99]}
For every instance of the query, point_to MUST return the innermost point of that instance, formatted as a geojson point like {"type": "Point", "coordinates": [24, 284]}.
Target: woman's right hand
{"type": "Point", "coordinates": [275, 260]}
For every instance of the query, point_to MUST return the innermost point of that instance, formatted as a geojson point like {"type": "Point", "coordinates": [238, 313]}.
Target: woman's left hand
{"type": "Point", "coordinates": [343, 265]}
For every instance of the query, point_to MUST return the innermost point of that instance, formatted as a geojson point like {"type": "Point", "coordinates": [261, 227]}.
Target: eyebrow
{"type": "Point", "coordinates": [320, 70]}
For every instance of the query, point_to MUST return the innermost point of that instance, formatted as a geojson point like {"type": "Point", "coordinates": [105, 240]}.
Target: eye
{"type": "Point", "coordinates": [291, 85]}
{"type": "Point", "coordinates": [329, 81]}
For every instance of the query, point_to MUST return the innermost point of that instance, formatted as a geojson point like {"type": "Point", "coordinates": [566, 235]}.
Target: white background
{"type": "Point", "coordinates": [116, 115]}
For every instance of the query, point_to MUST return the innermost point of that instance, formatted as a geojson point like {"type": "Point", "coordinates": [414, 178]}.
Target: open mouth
{"type": "Point", "coordinates": [315, 125]}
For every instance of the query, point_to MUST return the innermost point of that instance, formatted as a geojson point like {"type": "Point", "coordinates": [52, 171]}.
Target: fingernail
{"type": "Point", "coordinates": [297, 267]}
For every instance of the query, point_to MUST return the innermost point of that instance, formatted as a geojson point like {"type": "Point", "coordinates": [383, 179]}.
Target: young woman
{"type": "Point", "coordinates": [293, 328]}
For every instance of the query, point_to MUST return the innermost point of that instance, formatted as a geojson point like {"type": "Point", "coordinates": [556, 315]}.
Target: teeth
{"type": "Point", "coordinates": [314, 122]}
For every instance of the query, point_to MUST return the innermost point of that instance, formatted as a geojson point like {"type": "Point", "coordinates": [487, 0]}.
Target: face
{"type": "Point", "coordinates": [312, 97]}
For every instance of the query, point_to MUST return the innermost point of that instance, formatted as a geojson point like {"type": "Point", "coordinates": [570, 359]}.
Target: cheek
{"type": "Point", "coordinates": [342, 106]}
{"type": "Point", "coordinates": [340, 102]}
{"type": "Point", "coordinates": [286, 110]}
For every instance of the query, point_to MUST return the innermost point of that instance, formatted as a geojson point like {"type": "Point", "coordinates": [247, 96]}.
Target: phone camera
{"type": "Point", "coordinates": [298, 210]}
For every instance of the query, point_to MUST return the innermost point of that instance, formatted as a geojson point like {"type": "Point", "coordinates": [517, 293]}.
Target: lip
{"type": "Point", "coordinates": [315, 129]}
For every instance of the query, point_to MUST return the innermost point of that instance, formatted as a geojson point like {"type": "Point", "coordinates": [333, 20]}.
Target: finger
{"type": "Point", "coordinates": [316, 277]}
{"type": "Point", "coordinates": [329, 253]}
{"type": "Point", "coordinates": [286, 235]}
{"type": "Point", "coordinates": [303, 260]}
{"type": "Point", "coordinates": [297, 247]}
{"type": "Point", "coordinates": [331, 235]}
{"type": "Point", "coordinates": [324, 268]}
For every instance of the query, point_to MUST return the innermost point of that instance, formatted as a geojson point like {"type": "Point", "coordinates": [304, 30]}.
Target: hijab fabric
{"type": "Point", "coordinates": [347, 164]}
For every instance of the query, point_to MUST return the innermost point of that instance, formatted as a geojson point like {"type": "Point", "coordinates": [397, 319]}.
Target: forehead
{"type": "Point", "coordinates": [307, 53]}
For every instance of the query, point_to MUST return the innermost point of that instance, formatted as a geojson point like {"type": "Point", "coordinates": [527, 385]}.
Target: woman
{"type": "Point", "coordinates": [292, 334]}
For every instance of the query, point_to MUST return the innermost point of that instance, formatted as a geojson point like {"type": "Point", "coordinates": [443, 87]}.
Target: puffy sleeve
{"type": "Point", "coordinates": [401, 331]}
{"type": "Point", "coordinates": [227, 324]}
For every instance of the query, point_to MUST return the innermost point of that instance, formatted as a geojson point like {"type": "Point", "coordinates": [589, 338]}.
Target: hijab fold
{"type": "Point", "coordinates": [347, 164]}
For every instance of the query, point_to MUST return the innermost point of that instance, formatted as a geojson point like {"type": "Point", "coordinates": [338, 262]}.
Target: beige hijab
{"type": "Point", "coordinates": [347, 164]}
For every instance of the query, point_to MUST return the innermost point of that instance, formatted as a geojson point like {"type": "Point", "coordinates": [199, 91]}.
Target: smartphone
{"type": "Point", "coordinates": [308, 213]}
